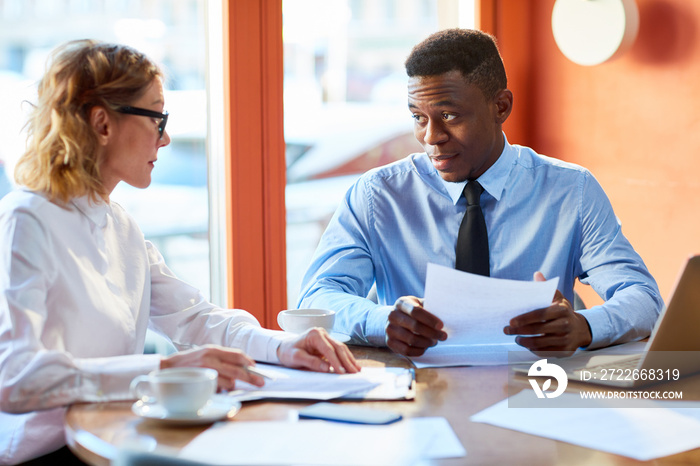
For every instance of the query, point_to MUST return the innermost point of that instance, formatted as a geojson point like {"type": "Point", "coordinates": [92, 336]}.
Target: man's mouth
{"type": "Point", "coordinates": [442, 156]}
{"type": "Point", "coordinates": [443, 162]}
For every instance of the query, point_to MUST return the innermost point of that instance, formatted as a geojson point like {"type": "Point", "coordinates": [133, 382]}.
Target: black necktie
{"type": "Point", "coordinates": [473, 241]}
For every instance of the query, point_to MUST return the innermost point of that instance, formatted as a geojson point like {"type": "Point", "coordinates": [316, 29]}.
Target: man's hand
{"type": "Point", "coordinates": [555, 328]}
{"type": "Point", "coordinates": [411, 329]}
{"type": "Point", "coordinates": [316, 350]}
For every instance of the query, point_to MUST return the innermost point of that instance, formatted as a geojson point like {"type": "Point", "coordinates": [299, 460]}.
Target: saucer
{"type": "Point", "coordinates": [219, 407]}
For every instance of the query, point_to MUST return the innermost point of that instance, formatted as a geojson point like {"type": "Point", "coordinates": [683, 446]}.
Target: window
{"type": "Point", "coordinates": [174, 211]}
{"type": "Point", "coordinates": [345, 102]}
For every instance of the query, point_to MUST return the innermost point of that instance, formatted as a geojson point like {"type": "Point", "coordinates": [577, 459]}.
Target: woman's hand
{"type": "Point", "coordinates": [316, 350]}
{"type": "Point", "coordinates": [230, 363]}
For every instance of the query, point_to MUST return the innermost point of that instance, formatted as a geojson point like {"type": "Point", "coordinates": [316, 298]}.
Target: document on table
{"type": "Point", "coordinates": [286, 383]}
{"type": "Point", "coordinates": [650, 429]}
{"type": "Point", "coordinates": [474, 310]}
{"type": "Point", "coordinates": [394, 383]}
{"type": "Point", "coordinates": [325, 443]}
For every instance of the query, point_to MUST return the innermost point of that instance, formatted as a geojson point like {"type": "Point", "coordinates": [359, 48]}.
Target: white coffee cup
{"type": "Point", "coordinates": [180, 390]}
{"type": "Point", "coordinates": [300, 320]}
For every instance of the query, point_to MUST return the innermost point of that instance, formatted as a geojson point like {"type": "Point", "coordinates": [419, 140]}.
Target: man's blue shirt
{"type": "Point", "coordinates": [541, 214]}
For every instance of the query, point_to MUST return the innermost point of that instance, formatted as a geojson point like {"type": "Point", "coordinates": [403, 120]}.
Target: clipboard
{"type": "Point", "coordinates": [404, 388]}
{"type": "Point", "coordinates": [396, 383]}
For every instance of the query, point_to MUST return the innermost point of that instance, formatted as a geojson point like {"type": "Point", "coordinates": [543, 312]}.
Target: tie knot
{"type": "Point", "coordinates": [472, 191]}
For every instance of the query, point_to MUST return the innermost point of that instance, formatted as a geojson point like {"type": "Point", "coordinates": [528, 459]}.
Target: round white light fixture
{"type": "Point", "coordinates": [590, 32]}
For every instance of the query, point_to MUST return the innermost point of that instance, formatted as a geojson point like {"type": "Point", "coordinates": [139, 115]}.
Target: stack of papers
{"type": "Point", "coordinates": [474, 310]}
{"type": "Point", "coordinates": [370, 383]}
{"type": "Point", "coordinates": [325, 443]}
{"type": "Point", "coordinates": [650, 429]}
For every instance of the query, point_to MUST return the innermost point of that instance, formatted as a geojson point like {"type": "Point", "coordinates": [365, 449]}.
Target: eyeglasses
{"type": "Point", "coordinates": [148, 113]}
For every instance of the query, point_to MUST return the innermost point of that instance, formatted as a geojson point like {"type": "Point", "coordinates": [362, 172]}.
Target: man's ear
{"type": "Point", "coordinates": [504, 105]}
{"type": "Point", "coordinates": [101, 123]}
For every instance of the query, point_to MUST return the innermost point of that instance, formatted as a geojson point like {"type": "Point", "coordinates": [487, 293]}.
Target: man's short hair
{"type": "Point", "coordinates": [473, 53]}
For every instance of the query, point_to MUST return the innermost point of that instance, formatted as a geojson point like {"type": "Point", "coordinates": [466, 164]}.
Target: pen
{"type": "Point", "coordinates": [252, 369]}
{"type": "Point", "coordinates": [261, 373]}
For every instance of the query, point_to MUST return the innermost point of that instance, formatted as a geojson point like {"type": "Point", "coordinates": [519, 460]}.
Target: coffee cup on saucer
{"type": "Point", "coordinates": [181, 391]}
{"type": "Point", "coordinates": [300, 320]}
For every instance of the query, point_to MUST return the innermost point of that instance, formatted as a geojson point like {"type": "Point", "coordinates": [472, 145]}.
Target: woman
{"type": "Point", "coordinates": [80, 285]}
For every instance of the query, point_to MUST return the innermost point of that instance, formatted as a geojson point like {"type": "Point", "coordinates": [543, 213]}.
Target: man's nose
{"type": "Point", "coordinates": [434, 133]}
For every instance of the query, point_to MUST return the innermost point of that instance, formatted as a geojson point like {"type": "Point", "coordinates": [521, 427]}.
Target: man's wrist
{"type": "Point", "coordinates": [587, 332]}
{"type": "Point", "coordinates": [376, 325]}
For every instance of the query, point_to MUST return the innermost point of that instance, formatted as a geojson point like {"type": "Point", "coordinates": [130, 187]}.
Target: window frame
{"type": "Point", "coordinates": [252, 244]}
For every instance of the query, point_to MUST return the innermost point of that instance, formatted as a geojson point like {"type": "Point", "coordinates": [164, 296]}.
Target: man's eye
{"type": "Point", "coordinates": [418, 118]}
{"type": "Point", "coordinates": [448, 116]}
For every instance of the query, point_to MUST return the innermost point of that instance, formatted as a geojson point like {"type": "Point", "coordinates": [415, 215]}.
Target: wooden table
{"type": "Point", "coordinates": [95, 431]}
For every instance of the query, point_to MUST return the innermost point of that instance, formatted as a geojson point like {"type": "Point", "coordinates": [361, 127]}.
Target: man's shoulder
{"type": "Point", "coordinates": [407, 167]}
{"type": "Point", "coordinates": [528, 158]}
{"type": "Point", "coordinates": [552, 174]}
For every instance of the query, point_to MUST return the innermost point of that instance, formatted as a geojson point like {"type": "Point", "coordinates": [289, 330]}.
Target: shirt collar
{"type": "Point", "coordinates": [493, 180]}
{"type": "Point", "coordinates": [96, 212]}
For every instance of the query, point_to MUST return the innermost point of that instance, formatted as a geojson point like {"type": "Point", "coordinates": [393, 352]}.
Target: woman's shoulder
{"type": "Point", "coordinates": [25, 216]}
{"type": "Point", "coordinates": [22, 205]}
{"type": "Point", "coordinates": [24, 200]}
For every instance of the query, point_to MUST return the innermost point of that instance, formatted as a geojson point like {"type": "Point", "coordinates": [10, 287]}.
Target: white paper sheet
{"type": "Point", "coordinates": [326, 443]}
{"type": "Point", "coordinates": [651, 430]}
{"type": "Point", "coordinates": [308, 385]}
{"type": "Point", "coordinates": [474, 310]}
{"type": "Point", "coordinates": [474, 355]}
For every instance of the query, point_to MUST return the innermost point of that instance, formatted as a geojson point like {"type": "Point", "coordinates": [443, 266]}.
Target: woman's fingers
{"type": "Point", "coordinates": [316, 350]}
{"type": "Point", "coordinates": [230, 363]}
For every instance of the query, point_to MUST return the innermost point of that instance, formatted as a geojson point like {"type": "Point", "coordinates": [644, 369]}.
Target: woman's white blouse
{"type": "Point", "coordinates": [80, 286]}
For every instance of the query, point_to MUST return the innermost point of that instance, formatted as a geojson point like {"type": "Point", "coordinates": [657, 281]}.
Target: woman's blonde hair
{"type": "Point", "coordinates": [61, 156]}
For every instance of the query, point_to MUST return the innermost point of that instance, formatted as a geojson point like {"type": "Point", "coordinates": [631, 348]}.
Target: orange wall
{"type": "Point", "coordinates": [634, 122]}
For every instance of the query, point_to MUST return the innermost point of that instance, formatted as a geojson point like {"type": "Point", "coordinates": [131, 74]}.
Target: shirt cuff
{"type": "Point", "coordinates": [375, 331]}
{"type": "Point", "coordinates": [109, 378]}
{"type": "Point", "coordinates": [600, 325]}
{"type": "Point", "coordinates": [263, 344]}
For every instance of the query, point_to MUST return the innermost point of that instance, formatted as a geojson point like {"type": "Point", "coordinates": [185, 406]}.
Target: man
{"type": "Point", "coordinates": [543, 218]}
